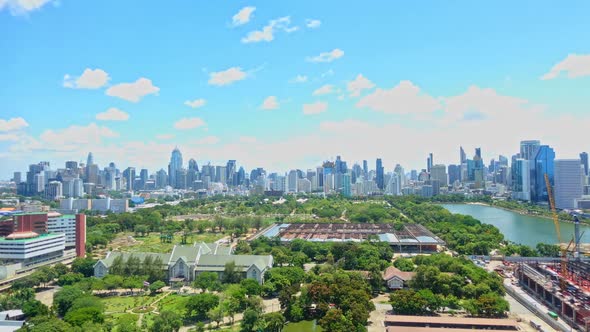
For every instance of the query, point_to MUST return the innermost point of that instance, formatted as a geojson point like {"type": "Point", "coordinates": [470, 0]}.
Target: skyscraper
{"type": "Point", "coordinates": [174, 166]}
{"type": "Point", "coordinates": [161, 179]}
{"type": "Point", "coordinates": [379, 176]}
{"type": "Point", "coordinates": [521, 179]}
{"type": "Point", "coordinates": [129, 175]}
{"type": "Point", "coordinates": [569, 184]}
{"type": "Point", "coordinates": [365, 169]}
{"type": "Point", "coordinates": [439, 173]}
{"type": "Point", "coordinates": [429, 162]}
{"type": "Point", "coordinates": [144, 176]}
{"type": "Point", "coordinates": [462, 155]}
{"type": "Point", "coordinates": [543, 164]}
{"type": "Point", "coordinates": [454, 173]}
{"type": "Point", "coordinates": [192, 165]}
{"type": "Point", "coordinates": [584, 160]}
{"type": "Point", "coordinates": [528, 149]}
{"type": "Point", "coordinates": [292, 181]}
{"type": "Point", "coordinates": [90, 159]}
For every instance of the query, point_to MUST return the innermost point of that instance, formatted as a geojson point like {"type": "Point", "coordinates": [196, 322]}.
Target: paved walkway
{"type": "Point", "coordinates": [377, 317]}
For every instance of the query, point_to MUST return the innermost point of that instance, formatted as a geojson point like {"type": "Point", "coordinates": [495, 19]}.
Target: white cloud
{"type": "Point", "coordinates": [165, 136]}
{"type": "Point", "coordinates": [405, 98]}
{"type": "Point", "coordinates": [313, 24]}
{"type": "Point", "coordinates": [360, 83]}
{"type": "Point", "coordinates": [575, 65]}
{"type": "Point", "coordinates": [133, 92]}
{"type": "Point", "coordinates": [90, 79]}
{"type": "Point", "coordinates": [327, 56]}
{"type": "Point", "coordinates": [267, 32]}
{"type": "Point", "coordinates": [270, 103]}
{"type": "Point", "coordinates": [227, 76]}
{"type": "Point", "coordinates": [189, 123]}
{"type": "Point", "coordinates": [13, 124]}
{"type": "Point", "coordinates": [299, 79]}
{"type": "Point", "coordinates": [195, 103]}
{"type": "Point", "coordinates": [22, 7]}
{"type": "Point", "coordinates": [324, 90]}
{"type": "Point", "coordinates": [207, 140]}
{"type": "Point", "coordinates": [315, 108]}
{"type": "Point", "coordinates": [9, 137]}
{"type": "Point", "coordinates": [248, 139]}
{"type": "Point", "coordinates": [112, 114]}
{"type": "Point", "coordinates": [243, 16]}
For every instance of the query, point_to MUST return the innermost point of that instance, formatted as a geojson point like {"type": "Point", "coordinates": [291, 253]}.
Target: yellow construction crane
{"type": "Point", "coordinates": [558, 232]}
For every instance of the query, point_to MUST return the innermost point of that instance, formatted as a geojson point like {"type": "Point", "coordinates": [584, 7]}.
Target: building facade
{"type": "Point", "coordinates": [569, 182]}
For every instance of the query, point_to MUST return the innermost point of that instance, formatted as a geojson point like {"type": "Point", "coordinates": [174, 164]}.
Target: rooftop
{"type": "Point", "coordinates": [403, 320]}
{"type": "Point", "coordinates": [42, 236]}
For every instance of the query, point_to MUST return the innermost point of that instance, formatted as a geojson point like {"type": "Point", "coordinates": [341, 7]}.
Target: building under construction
{"type": "Point", "coordinates": [567, 294]}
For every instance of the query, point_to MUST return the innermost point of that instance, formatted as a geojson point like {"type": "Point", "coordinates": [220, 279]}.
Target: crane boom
{"type": "Point", "coordinates": [563, 276]}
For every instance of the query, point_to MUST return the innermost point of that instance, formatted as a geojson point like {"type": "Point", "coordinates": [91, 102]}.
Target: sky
{"type": "Point", "coordinates": [283, 85]}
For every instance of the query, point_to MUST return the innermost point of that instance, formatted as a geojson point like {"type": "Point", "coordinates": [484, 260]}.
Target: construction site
{"type": "Point", "coordinates": [562, 283]}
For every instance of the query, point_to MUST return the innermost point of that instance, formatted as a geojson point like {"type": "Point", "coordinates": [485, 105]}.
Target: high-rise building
{"type": "Point", "coordinates": [543, 164]}
{"type": "Point", "coordinates": [319, 177]}
{"type": "Point", "coordinates": [365, 169]}
{"type": "Point", "coordinates": [78, 188]}
{"type": "Point", "coordinates": [71, 165]}
{"type": "Point", "coordinates": [192, 165]}
{"type": "Point", "coordinates": [17, 177]}
{"type": "Point", "coordinates": [144, 177]}
{"type": "Point", "coordinates": [454, 173]}
{"type": "Point", "coordinates": [462, 155]}
{"type": "Point", "coordinates": [161, 179]}
{"type": "Point", "coordinates": [521, 179]}
{"type": "Point", "coordinates": [230, 171]}
{"type": "Point", "coordinates": [346, 183]}
{"type": "Point", "coordinates": [439, 173]}
{"type": "Point", "coordinates": [584, 160]}
{"type": "Point", "coordinates": [220, 174]}
{"type": "Point", "coordinates": [292, 181]}
{"type": "Point", "coordinates": [569, 184]}
{"type": "Point", "coordinates": [174, 166]}
{"type": "Point", "coordinates": [54, 190]}
{"type": "Point", "coordinates": [90, 159]}
{"type": "Point", "coordinates": [380, 174]}
{"type": "Point", "coordinates": [129, 175]}
{"type": "Point", "coordinates": [528, 149]}
{"type": "Point", "coordinates": [429, 162]}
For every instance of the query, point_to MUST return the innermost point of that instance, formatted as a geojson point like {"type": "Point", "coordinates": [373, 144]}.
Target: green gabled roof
{"type": "Point", "coordinates": [108, 261]}
{"type": "Point", "coordinates": [242, 261]}
{"type": "Point", "coordinates": [188, 253]}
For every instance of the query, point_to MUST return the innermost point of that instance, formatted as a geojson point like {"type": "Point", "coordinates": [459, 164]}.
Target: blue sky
{"type": "Point", "coordinates": [391, 80]}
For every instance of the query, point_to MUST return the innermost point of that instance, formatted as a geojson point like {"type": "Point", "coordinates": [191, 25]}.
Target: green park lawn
{"type": "Point", "coordinates": [152, 243]}
{"type": "Point", "coordinates": [118, 304]}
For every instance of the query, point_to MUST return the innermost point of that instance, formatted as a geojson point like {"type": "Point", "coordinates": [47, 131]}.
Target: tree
{"type": "Point", "coordinates": [199, 305]}
{"type": "Point", "coordinates": [216, 314]}
{"type": "Point", "coordinates": [275, 322]}
{"type": "Point", "coordinates": [167, 321]}
{"type": "Point", "coordinates": [207, 281]}
{"type": "Point", "coordinates": [84, 266]}
{"type": "Point", "coordinates": [251, 321]}
{"type": "Point", "coordinates": [335, 321]}
{"type": "Point", "coordinates": [65, 297]}
{"type": "Point", "coordinates": [78, 317]}
{"type": "Point", "coordinates": [141, 230]}
{"type": "Point", "coordinates": [43, 324]}
{"type": "Point", "coordinates": [251, 286]}
{"type": "Point", "coordinates": [406, 302]}
{"type": "Point", "coordinates": [35, 308]}
{"type": "Point", "coordinates": [134, 282]}
{"type": "Point", "coordinates": [230, 274]}
{"type": "Point", "coordinates": [548, 250]}
{"type": "Point", "coordinates": [69, 279]}
{"type": "Point", "coordinates": [156, 286]}
{"type": "Point", "coordinates": [404, 264]}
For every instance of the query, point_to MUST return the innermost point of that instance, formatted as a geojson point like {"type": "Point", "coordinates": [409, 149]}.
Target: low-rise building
{"type": "Point", "coordinates": [185, 263]}
{"type": "Point", "coordinates": [397, 279]}
{"type": "Point", "coordinates": [30, 248]}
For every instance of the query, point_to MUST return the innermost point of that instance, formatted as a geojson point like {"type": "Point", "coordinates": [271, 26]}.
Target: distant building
{"type": "Point", "coordinates": [584, 160]}
{"type": "Point", "coordinates": [397, 279]}
{"type": "Point", "coordinates": [175, 165]}
{"type": "Point", "coordinates": [521, 180]}
{"type": "Point", "coordinates": [543, 163]}
{"type": "Point", "coordinates": [569, 183]}
{"type": "Point", "coordinates": [380, 174]}
{"type": "Point", "coordinates": [30, 248]}
{"type": "Point", "coordinates": [439, 173]}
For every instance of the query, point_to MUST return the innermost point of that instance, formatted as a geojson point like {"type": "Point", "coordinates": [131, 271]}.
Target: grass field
{"type": "Point", "coordinates": [152, 243]}
{"type": "Point", "coordinates": [118, 304]}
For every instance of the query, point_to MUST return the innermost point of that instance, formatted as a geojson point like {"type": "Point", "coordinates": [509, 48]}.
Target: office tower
{"type": "Point", "coordinates": [584, 160]}
{"type": "Point", "coordinates": [365, 169]}
{"type": "Point", "coordinates": [89, 159]}
{"type": "Point", "coordinates": [256, 173]}
{"type": "Point", "coordinates": [161, 179]}
{"type": "Point", "coordinates": [181, 179]}
{"type": "Point", "coordinates": [39, 182]}
{"type": "Point", "coordinates": [303, 186]}
{"type": "Point", "coordinates": [192, 165]}
{"type": "Point", "coordinates": [429, 162]}
{"type": "Point", "coordinates": [92, 173]}
{"type": "Point", "coordinates": [175, 165]}
{"type": "Point", "coordinates": [220, 174]}
{"type": "Point", "coordinates": [346, 183]}
{"type": "Point", "coordinates": [414, 175]}
{"type": "Point", "coordinates": [71, 165]}
{"type": "Point", "coordinates": [230, 170]}
{"type": "Point", "coordinates": [502, 160]}
{"type": "Point", "coordinates": [143, 176]}
{"type": "Point", "coordinates": [17, 177]}
{"type": "Point", "coordinates": [292, 181]}
{"type": "Point", "coordinates": [439, 173]}
{"type": "Point", "coordinates": [568, 182]}
{"type": "Point", "coordinates": [478, 170]}
{"type": "Point", "coordinates": [54, 190]}
{"type": "Point", "coordinates": [543, 163]}
{"type": "Point", "coordinates": [78, 188]}
{"type": "Point", "coordinates": [379, 169]}
{"type": "Point", "coordinates": [129, 175]}
{"type": "Point", "coordinates": [521, 179]}
{"type": "Point", "coordinates": [241, 176]}
{"type": "Point", "coordinates": [528, 149]}
{"type": "Point", "coordinates": [319, 177]}
{"type": "Point", "coordinates": [454, 173]}
{"type": "Point", "coordinates": [462, 155]}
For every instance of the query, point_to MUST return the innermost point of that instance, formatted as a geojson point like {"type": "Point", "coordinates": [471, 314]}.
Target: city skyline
{"type": "Point", "coordinates": [282, 86]}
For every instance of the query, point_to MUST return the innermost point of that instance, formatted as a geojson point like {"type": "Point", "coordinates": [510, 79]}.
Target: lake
{"type": "Point", "coordinates": [520, 228]}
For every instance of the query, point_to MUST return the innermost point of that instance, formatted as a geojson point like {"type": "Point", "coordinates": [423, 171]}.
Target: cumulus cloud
{"type": "Point", "coordinates": [12, 124]}
{"type": "Point", "coordinates": [195, 103]}
{"type": "Point", "coordinates": [189, 123]}
{"type": "Point", "coordinates": [270, 103]}
{"type": "Point", "coordinates": [90, 79]}
{"type": "Point", "coordinates": [112, 114]}
{"type": "Point", "coordinates": [360, 83]}
{"type": "Point", "coordinates": [315, 108]}
{"type": "Point", "coordinates": [323, 90]}
{"type": "Point", "coordinates": [574, 65]}
{"type": "Point", "coordinates": [268, 31]}
{"type": "Point", "coordinates": [248, 139]}
{"type": "Point", "coordinates": [405, 98]}
{"type": "Point", "coordinates": [299, 79]}
{"type": "Point", "coordinates": [327, 56]}
{"type": "Point", "coordinates": [227, 77]}
{"type": "Point", "coordinates": [165, 136]}
{"type": "Point", "coordinates": [243, 16]}
{"type": "Point", "coordinates": [22, 7]}
{"type": "Point", "coordinates": [133, 92]}
{"type": "Point", "coordinates": [313, 24]}
{"type": "Point", "coordinates": [9, 137]}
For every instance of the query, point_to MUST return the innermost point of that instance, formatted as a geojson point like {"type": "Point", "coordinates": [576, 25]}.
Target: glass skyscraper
{"type": "Point", "coordinates": [174, 166]}
{"type": "Point", "coordinates": [379, 176]}
{"type": "Point", "coordinates": [543, 164]}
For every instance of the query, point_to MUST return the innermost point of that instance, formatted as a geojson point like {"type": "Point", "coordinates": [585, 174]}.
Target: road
{"type": "Point", "coordinates": [377, 317]}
